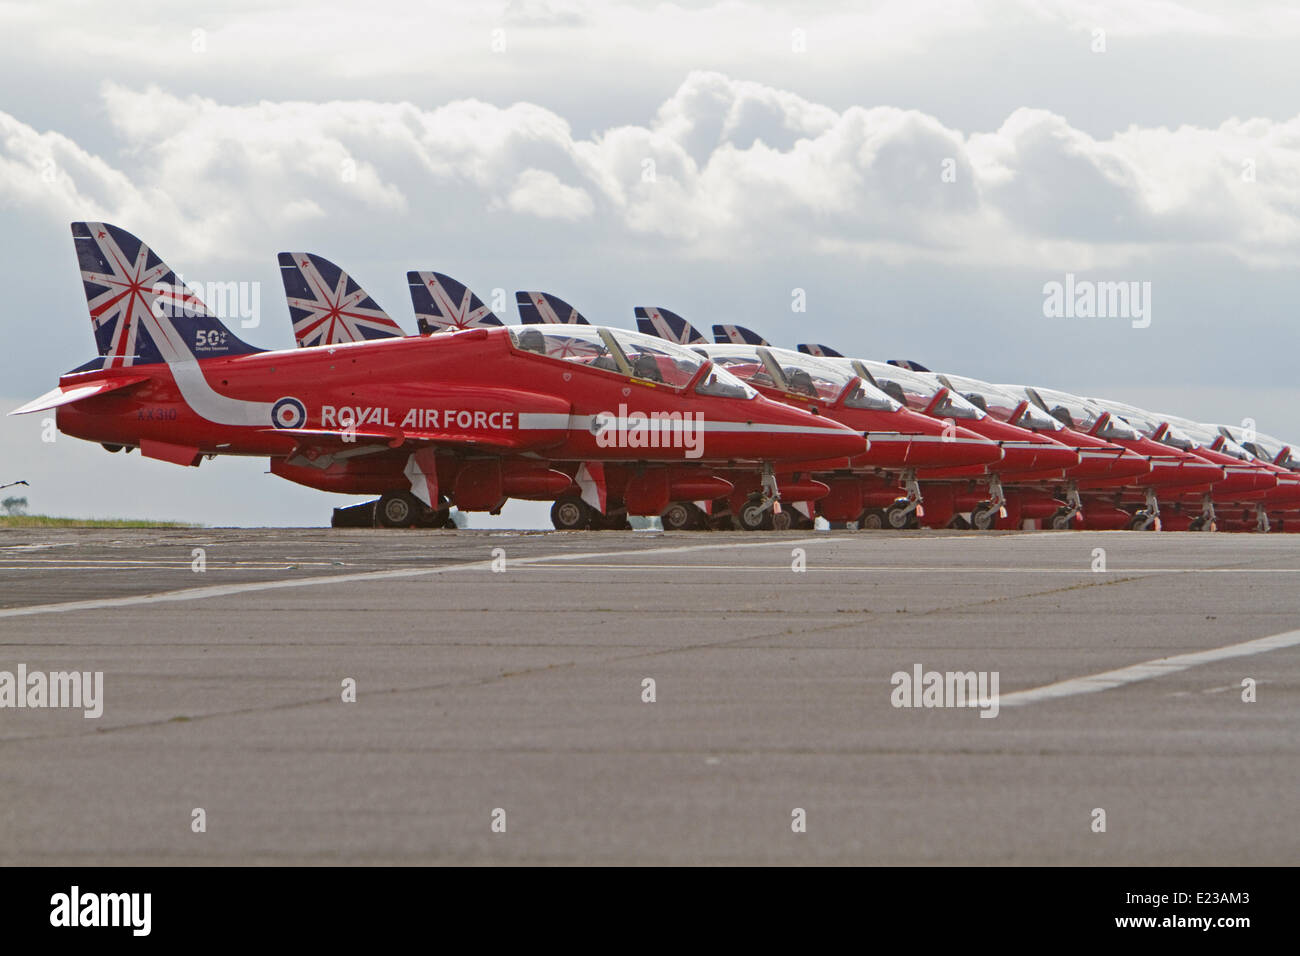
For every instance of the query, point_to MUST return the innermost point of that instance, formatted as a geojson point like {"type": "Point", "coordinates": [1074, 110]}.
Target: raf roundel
{"type": "Point", "coordinates": [288, 413]}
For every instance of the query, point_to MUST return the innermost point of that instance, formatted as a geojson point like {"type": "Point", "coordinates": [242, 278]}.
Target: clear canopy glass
{"type": "Point", "coordinates": [1149, 424]}
{"type": "Point", "coordinates": [1002, 403]}
{"type": "Point", "coordinates": [1081, 414]}
{"type": "Point", "coordinates": [627, 353]}
{"type": "Point", "coordinates": [916, 390]}
{"type": "Point", "coordinates": [1210, 437]}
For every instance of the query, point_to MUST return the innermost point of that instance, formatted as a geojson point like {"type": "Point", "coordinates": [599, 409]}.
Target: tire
{"type": "Point", "coordinates": [678, 516]}
{"type": "Point", "coordinates": [1061, 520]}
{"type": "Point", "coordinates": [1138, 521]}
{"type": "Point", "coordinates": [801, 522]}
{"type": "Point", "coordinates": [751, 517]}
{"type": "Point", "coordinates": [571, 514]}
{"type": "Point", "coordinates": [873, 519]}
{"type": "Point", "coordinates": [782, 522]}
{"type": "Point", "coordinates": [983, 519]}
{"type": "Point", "coordinates": [398, 509]}
{"type": "Point", "coordinates": [898, 517]}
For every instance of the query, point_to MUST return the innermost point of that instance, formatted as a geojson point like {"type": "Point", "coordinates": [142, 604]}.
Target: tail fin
{"type": "Point", "coordinates": [327, 306]}
{"type": "Point", "coordinates": [821, 351]}
{"type": "Point", "coordinates": [908, 364]}
{"type": "Point", "coordinates": [737, 335]}
{"type": "Point", "coordinates": [667, 325]}
{"type": "Point", "coordinates": [141, 313]}
{"type": "Point", "coordinates": [542, 308]}
{"type": "Point", "coordinates": [444, 305]}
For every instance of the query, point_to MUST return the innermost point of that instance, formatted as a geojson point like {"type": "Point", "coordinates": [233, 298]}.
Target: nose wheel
{"type": "Point", "coordinates": [987, 513]}
{"type": "Point", "coordinates": [1064, 516]}
{"type": "Point", "coordinates": [1148, 518]}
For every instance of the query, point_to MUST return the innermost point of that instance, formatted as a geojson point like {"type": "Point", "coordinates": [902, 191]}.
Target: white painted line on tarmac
{"type": "Point", "coordinates": [226, 590]}
{"type": "Point", "coordinates": [1150, 670]}
{"type": "Point", "coordinates": [905, 569]}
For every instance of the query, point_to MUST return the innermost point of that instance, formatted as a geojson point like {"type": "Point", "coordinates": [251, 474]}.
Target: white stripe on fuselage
{"type": "Point", "coordinates": [194, 387]}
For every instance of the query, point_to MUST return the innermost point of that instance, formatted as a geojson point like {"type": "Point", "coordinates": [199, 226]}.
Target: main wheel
{"type": "Point", "coordinates": [1061, 520]}
{"type": "Point", "coordinates": [398, 509]}
{"type": "Point", "coordinates": [571, 514]}
{"type": "Point", "coordinates": [782, 521]}
{"type": "Point", "coordinates": [801, 522]}
{"type": "Point", "coordinates": [751, 516]}
{"type": "Point", "coordinates": [982, 518]}
{"type": "Point", "coordinates": [678, 516]}
{"type": "Point", "coordinates": [873, 519]}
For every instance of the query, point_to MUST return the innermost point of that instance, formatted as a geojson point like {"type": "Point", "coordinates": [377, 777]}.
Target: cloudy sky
{"type": "Point", "coordinates": [919, 169]}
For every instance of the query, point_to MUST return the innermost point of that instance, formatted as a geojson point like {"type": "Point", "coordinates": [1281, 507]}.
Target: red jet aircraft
{"type": "Point", "coordinates": [468, 418]}
{"type": "Point", "coordinates": [1174, 473]}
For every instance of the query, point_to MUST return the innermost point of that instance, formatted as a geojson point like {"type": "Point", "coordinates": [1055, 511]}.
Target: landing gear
{"type": "Point", "coordinates": [781, 521]}
{"type": "Point", "coordinates": [758, 513]}
{"type": "Point", "coordinates": [1064, 516]}
{"type": "Point", "coordinates": [901, 514]}
{"type": "Point", "coordinates": [800, 521]}
{"type": "Point", "coordinates": [682, 516]}
{"type": "Point", "coordinates": [398, 509]}
{"type": "Point", "coordinates": [571, 514]}
{"type": "Point", "coordinates": [986, 513]}
{"type": "Point", "coordinates": [1261, 520]}
{"type": "Point", "coordinates": [873, 519]}
{"type": "Point", "coordinates": [984, 516]}
{"type": "Point", "coordinates": [1207, 520]}
{"type": "Point", "coordinates": [1148, 518]}
{"type": "Point", "coordinates": [754, 515]}
{"type": "Point", "coordinates": [1061, 519]}
{"type": "Point", "coordinates": [401, 509]}
{"type": "Point", "coordinates": [1142, 520]}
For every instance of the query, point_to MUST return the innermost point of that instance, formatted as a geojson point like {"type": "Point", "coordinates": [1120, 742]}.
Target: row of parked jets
{"type": "Point", "coordinates": [608, 423]}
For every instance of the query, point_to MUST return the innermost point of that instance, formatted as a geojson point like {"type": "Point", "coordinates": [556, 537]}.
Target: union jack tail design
{"type": "Point", "coordinates": [737, 335]}
{"type": "Point", "coordinates": [541, 308]}
{"type": "Point", "coordinates": [908, 364]}
{"type": "Point", "coordinates": [444, 305]}
{"type": "Point", "coordinates": [140, 311]}
{"type": "Point", "coordinates": [822, 351]}
{"type": "Point", "coordinates": [327, 306]}
{"type": "Point", "coordinates": [668, 325]}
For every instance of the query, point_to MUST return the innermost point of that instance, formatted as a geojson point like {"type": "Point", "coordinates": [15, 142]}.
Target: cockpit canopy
{"type": "Point", "coordinates": [1209, 436]}
{"type": "Point", "coordinates": [627, 353]}
{"type": "Point", "coordinates": [1002, 403]}
{"type": "Point", "coordinates": [799, 374]}
{"type": "Point", "coordinates": [1264, 447]}
{"type": "Point", "coordinates": [1081, 414]}
{"type": "Point", "coordinates": [1150, 425]}
{"type": "Point", "coordinates": [919, 391]}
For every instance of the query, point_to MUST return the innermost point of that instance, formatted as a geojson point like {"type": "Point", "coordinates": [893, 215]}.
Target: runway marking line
{"type": "Point", "coordinates": [225, 590]}
{"type": "Point", "coordinates": [1149, 670]}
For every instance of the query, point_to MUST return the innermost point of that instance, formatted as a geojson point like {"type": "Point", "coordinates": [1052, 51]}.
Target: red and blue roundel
{"type": "Point", "coordinates": [288, 413]}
